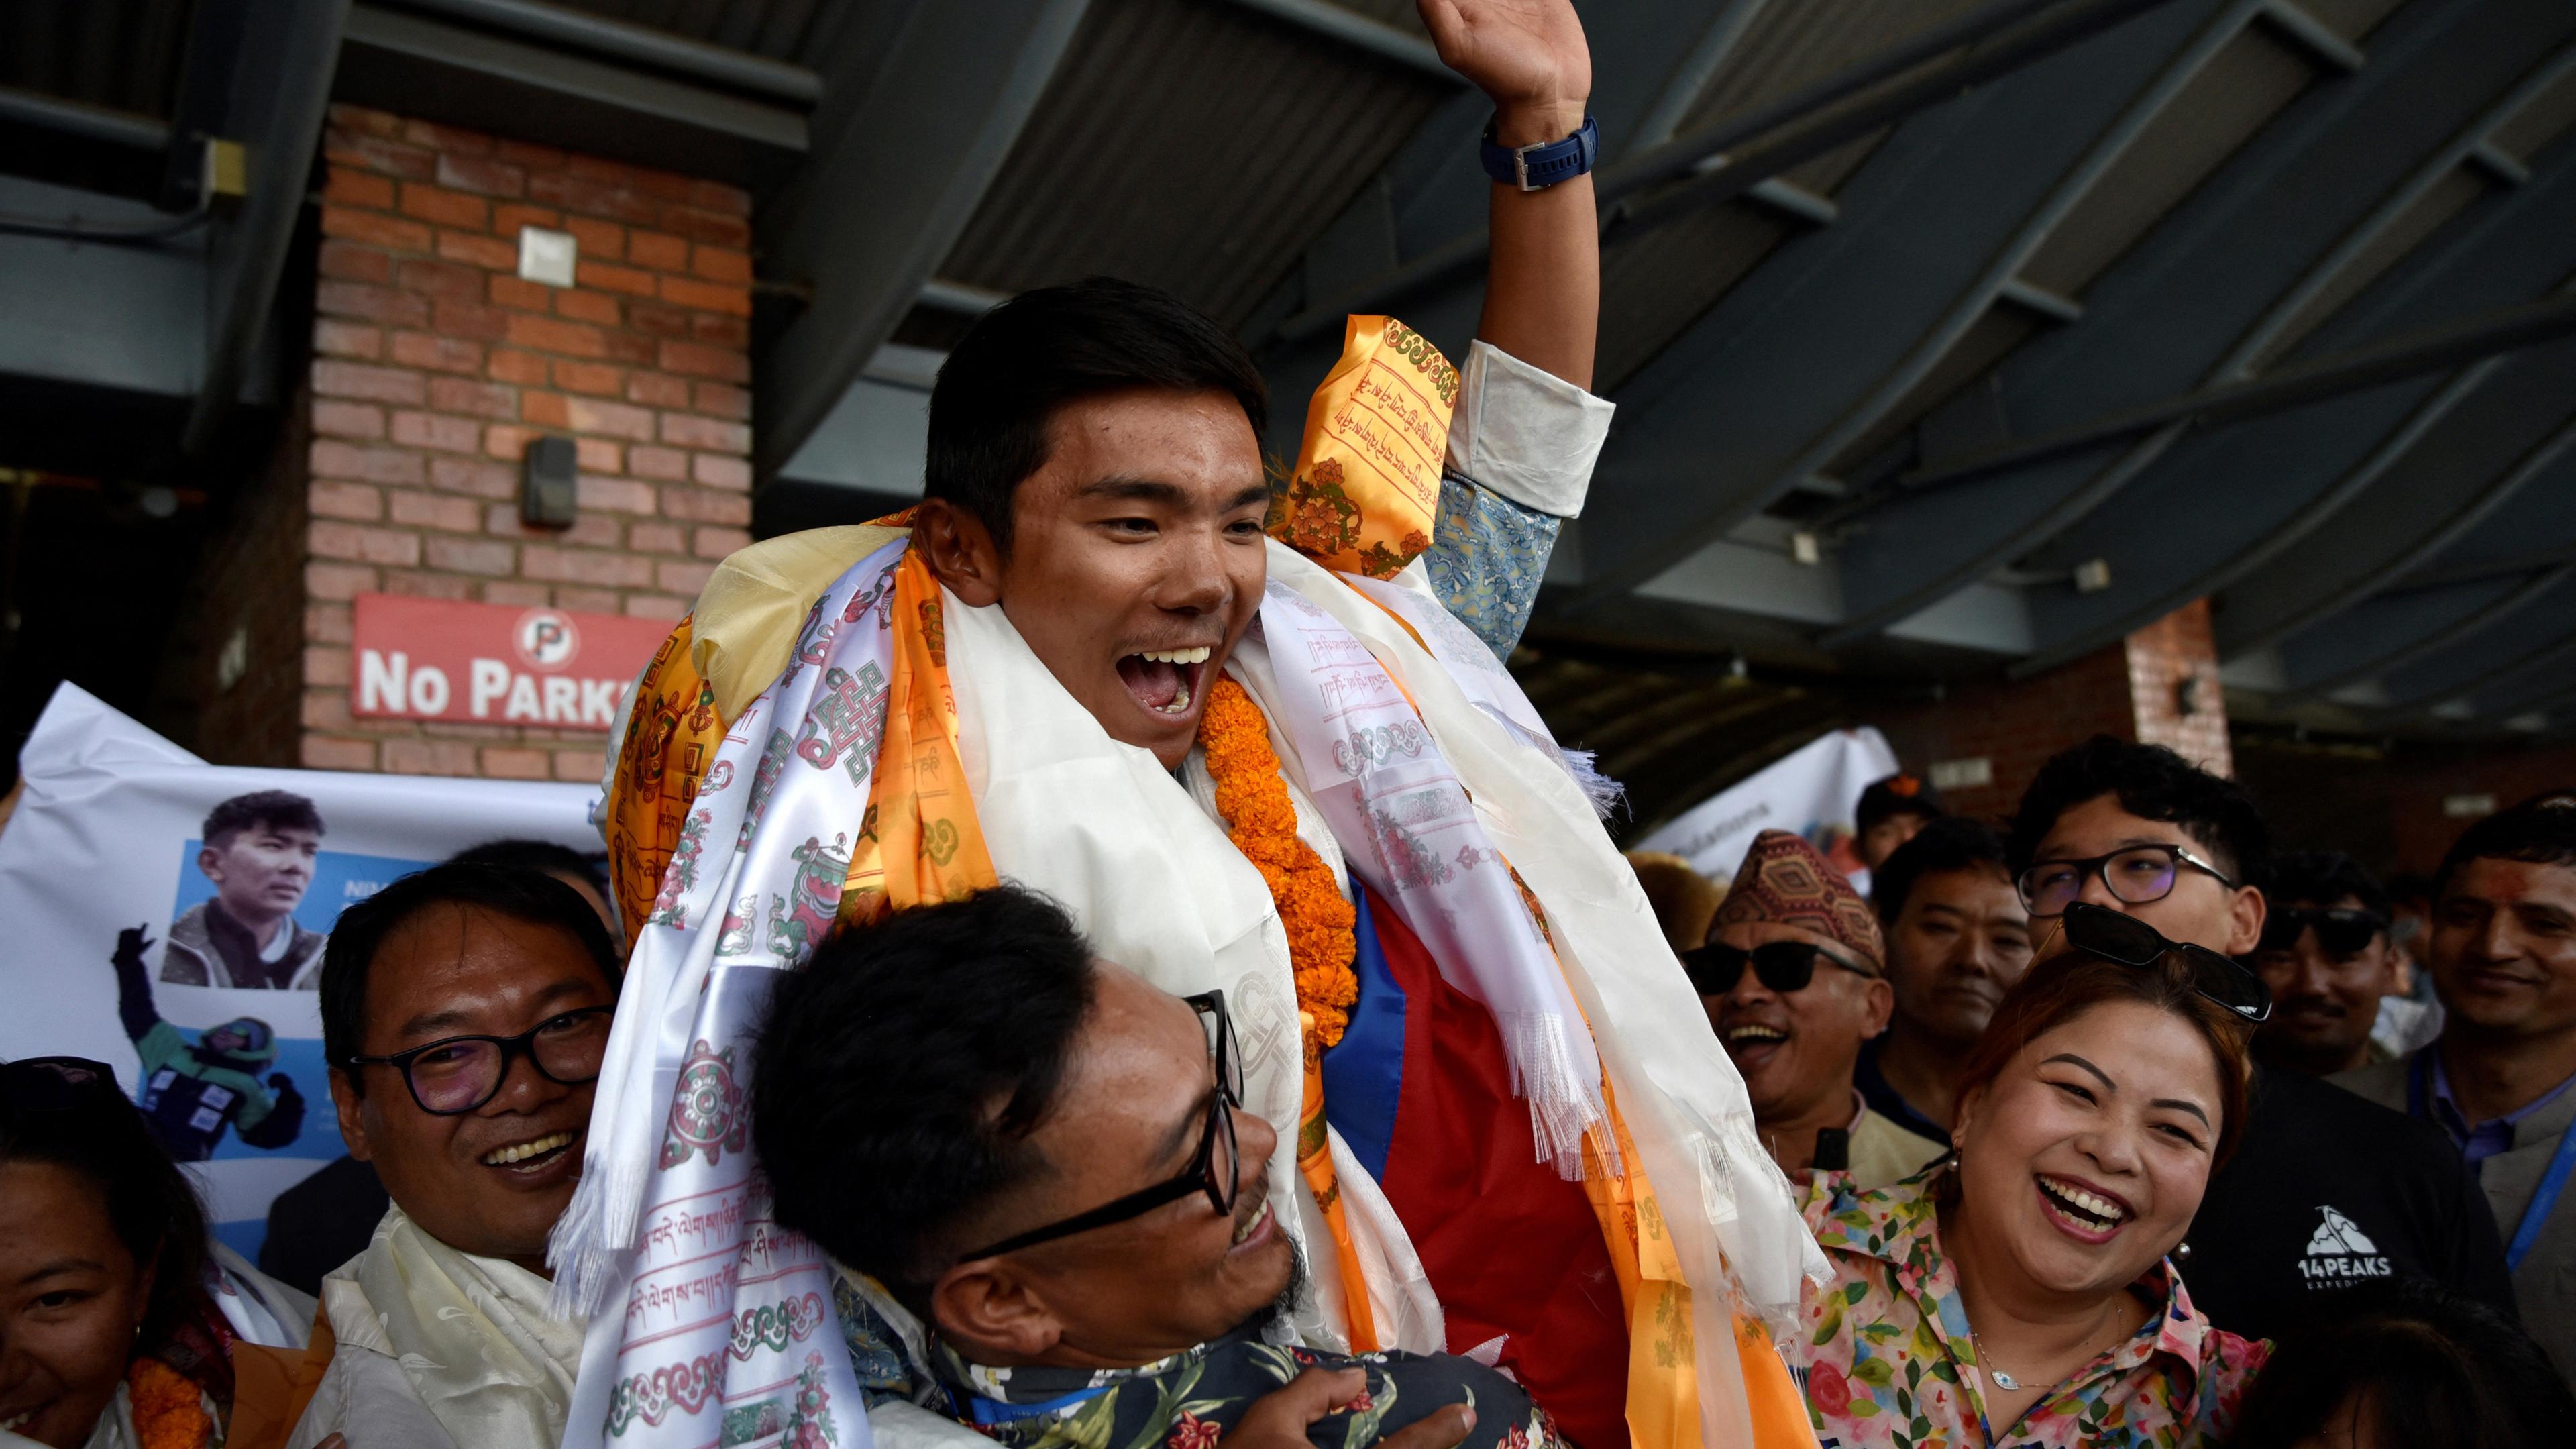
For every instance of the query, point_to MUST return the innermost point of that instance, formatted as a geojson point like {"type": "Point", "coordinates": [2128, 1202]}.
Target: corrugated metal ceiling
{"type": "Point", "coordinates": [123, 54]}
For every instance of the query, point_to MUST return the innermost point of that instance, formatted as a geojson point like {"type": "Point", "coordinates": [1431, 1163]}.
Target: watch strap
{"type": "Point", "coordinates": [1535, 168]}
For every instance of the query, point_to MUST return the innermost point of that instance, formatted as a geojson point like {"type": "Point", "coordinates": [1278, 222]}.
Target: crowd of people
{"type": "Point", "coordinates": [1109, 959]}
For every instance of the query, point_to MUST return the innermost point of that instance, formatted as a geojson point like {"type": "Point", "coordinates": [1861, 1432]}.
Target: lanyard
{"type": "Point", "coordinates": [2535, 1215]}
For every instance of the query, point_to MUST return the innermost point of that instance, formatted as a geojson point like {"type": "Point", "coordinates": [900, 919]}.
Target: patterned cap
{"type": "Point", "coordinates": [1784, 880]}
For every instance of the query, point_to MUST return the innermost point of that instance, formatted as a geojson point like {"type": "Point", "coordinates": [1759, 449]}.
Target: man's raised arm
{"type": "Point", "coordinates": [1543, 279]}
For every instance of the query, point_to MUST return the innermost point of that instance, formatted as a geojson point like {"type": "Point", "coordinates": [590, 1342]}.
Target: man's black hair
{"type": "Point", "coordinates": [880, 1063]}
{"type": "Point", "coordinates": [91, 1129]}
{"type": "Point", "coordinates": [2539, 831]}
{"type": "Point", "coordinates": [2152, 783]}
{"type": "Point", "coordinates": [2321, 878]}
{"type": "Point", "coordinates": [517, 892]}
{"type": "Point", "coordinates": [1002, 383]}
{"type": "Point", "coordinates": [542, 855]}
{"type": "Point", "coordinates": [2428, 1364]}
{"type": "Point", "coordinates": [1896, 795]}
{"type": "Point", "coordinates": [1945, 843]}
{"type": "Point", "coordinates": [276, 809]}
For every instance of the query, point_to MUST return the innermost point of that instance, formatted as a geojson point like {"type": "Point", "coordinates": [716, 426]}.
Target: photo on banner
{"type": "Point", "coordinates": [168, 917]}
{"type": "Point", "coordinates": [1810, 792]}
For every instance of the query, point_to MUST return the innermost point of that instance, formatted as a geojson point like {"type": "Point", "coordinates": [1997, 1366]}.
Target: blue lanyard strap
{"type": "Point", "coordinates": [2543, 1198]}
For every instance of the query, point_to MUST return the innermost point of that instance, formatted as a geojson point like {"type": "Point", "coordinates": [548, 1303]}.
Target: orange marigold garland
{"type": "Point", "coordinates": [168, 1414]}
{"type": "Point", "coordinates": [1263, 825]}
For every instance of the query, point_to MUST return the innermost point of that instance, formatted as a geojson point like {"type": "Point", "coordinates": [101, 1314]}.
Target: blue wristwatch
{"type": "Point", "coordinates": [1535, 168]}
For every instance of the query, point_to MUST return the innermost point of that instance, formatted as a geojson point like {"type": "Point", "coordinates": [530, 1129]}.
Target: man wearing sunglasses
{"type": "Point", "coordinates": [1042, 1166]}
{"type": "Point", "coordinates": [1793, 978]}
{"type": "Point", "coordinates": [2325, 1190]}
{"type": "Point", "coordinates": [465, 1013]}
{"type": "Point", "coordinates": [2326, 959]}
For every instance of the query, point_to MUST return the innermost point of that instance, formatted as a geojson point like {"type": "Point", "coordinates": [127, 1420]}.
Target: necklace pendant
{"type": "Point", "coordinates": [2004, 1381]}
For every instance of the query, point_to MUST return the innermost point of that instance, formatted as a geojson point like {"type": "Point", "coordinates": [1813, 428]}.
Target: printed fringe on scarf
{"type": "Point", "coordinates": [795, 825]}
{"type": "Point", "coordinates": [1409, 832]}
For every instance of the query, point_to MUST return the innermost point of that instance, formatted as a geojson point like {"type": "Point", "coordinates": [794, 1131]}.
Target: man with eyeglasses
{"type": "Point", "coordinates": [2326, 959]}
{"type": "Point", "coordinates": [1793, 980]}
{"type": "Point", "coordinates": [2500, 1083]}
{"type": "Point", "coordinates": [2326, 1190]}
{"type": "Point", "coordinates": [1043, 1168]}
{"type": "Point", "coordinates": [465, 1014]}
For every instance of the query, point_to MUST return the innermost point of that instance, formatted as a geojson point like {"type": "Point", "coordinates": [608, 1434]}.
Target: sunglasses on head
{"type": "Point", "coordinates": [2132, 942]}
{"type": "Point", "coordinates": [2340, 932]}
{"type": "Point", "coordinates": [1781, 966]}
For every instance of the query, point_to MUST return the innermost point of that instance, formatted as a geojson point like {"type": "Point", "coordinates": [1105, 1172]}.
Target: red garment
{"type": "Point", "coordinates": [1490, 1220]}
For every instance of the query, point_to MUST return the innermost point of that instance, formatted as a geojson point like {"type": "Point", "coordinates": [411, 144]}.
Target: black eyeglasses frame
{"type": "Point", "coordinates": [512, 1048]}
{"type": "Point", "coordinates": [1221, 1187]}
{"type": "Point", "coordinates": [2100, 866]}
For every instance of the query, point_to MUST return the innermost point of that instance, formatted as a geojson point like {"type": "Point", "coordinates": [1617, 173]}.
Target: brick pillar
{"type": "Point", "coordinates": [434, 366]}
{"type": "Point", "coordinates": [2132, 689]}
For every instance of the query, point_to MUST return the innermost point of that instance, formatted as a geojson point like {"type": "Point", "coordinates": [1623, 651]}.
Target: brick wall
{"type": "Point", "coordinates": [435, 365]}
{"type": "Point", "coordinates": [2130, 689]}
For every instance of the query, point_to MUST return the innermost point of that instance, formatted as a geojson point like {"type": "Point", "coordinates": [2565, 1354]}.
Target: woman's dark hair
{"type": "Point", "coordinates": [1944, 844]}
{"type": "Point", "coordinates": [2424, 1364]}
{"type": "Point", "coordinates": [1004, 380]}
{"type": "Point", "coordinates": [71, 1114]}
{"type": "Point", "coordinates": [879, 1067]}
{"type": "Point", "coordinates": [2152, 783]}
{"type": "Point", "coordinates": [518, 892]}
{"type": "Point", "coordinates": [2067, 985]}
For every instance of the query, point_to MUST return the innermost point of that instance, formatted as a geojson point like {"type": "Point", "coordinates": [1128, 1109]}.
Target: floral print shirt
{"type": "Point", "coordinates": [1486, 558]}
{"type": "Point", "coordinates": [1886, 1361]}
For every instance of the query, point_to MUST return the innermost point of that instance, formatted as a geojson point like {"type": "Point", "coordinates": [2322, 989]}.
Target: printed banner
{"type": "Point", "coordinates": [167, 917]}
{"type": "Point", "coordinates": [1811, 792]}
{"type": "Point", "coordinates": [491, 664]}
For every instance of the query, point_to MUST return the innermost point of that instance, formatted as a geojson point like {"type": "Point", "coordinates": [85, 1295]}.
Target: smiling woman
{"type": "Point", "coordinates": [2020, 1294]}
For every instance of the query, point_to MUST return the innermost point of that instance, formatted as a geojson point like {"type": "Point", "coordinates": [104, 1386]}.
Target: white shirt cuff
{"type": "Point", "coordinates": [1525, 433]}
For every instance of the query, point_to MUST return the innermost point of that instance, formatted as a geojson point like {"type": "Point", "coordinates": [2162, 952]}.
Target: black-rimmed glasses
{"type": "Point", "coordinates": [1215, 1169]}
{"type": "Point", "coordinates": [2136, 874]}
{"type": "Point", "coordinates": [455, 1075]}
{"type": "Point", "coordinates": [1781, 966]}
{"type": "Point", "coordinates": [2132, 942]}
{"type": "Point", "coordinates": [2343, 933]}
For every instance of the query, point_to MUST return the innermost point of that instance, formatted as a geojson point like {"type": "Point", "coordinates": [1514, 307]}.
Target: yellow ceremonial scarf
{"type": "Point", "coordinates": [919, 841]}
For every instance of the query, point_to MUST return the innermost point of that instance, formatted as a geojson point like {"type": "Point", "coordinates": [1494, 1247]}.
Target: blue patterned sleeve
{"type": "Point", "coordinates": [1521, 448]}
{"type": "Point", "coordinates": [1486, 558]}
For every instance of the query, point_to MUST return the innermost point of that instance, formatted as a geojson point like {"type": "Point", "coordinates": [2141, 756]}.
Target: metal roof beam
{"type": "Point", "coordinates": [634, 45]}
{"type": "Point", "coordinates": [1359, 32]}
{"type": "Point", "coordinates": [2314, 36]}
{"type": "Point", "coordinates": [2444, 576]}
{"type": "Point", "coordinates": [1763, 142]}
{"type": "Point", "coordinates": [890, 188]}
{"type": "Point", "coordinates": [80, 119]}
{"type": "Point", "coordinates": [2469, 340]}
{"type": "Point", "coordinates": [1706, 57]}
{"type": "Point", "coordinates": [2241, 252]}
{"type": "Point", "coordinates": [280, 89]}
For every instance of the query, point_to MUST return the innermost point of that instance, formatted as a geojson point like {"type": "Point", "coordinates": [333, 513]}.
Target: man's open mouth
{"type": "Point", "coordinates": [18, 1420]}
{"type": "Point", "coordinates": [2095, 1216]}
{"type": "Point", "coordinates": [1751, 1041]}
{"type": "Point", "coordinates": [1164, 681]}
{"type": "Point", "coordinates": [533, 1156]}
{"type": "Point", "coordinates": [1254, 1228]}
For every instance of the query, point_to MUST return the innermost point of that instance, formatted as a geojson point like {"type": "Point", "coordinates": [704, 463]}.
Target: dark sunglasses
{"type": "Point", "coordinates": [1781, 966]}
{"type": "Point", "coordinates": [2132, 942]}
{"type": "Point", "coordinates": [2341, 933]}
{"type": "Point", "coordinates": [454, 1075]}
{"type": "Point", "coordinates": [1215, 1169]}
